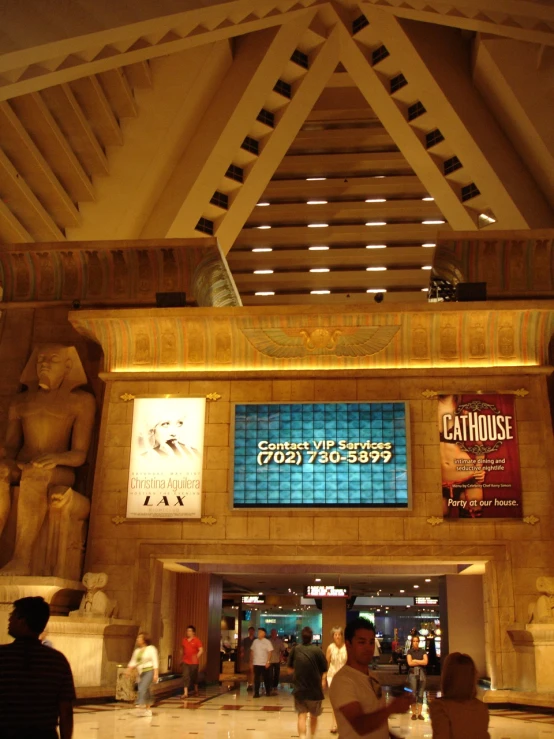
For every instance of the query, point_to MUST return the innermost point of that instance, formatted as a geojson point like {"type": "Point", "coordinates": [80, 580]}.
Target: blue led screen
{"type": "Point", "coordinates": [321, 455]}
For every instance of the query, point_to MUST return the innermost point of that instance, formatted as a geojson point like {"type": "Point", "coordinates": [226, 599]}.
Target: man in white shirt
{"type": "Point", "coordinates": [356, 696]}
{"type": "Point", "coordinates": [275, 667]}
{"type": "Point", "coordinates": [260, 656]}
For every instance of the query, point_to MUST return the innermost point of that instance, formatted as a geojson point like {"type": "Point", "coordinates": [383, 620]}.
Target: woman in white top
{"type": "Point", "coordinates": [336, 658]}
{"type": "Point", "coordinates": [145, 661]}
{"type": "Point", "coordinates": [459, 713]}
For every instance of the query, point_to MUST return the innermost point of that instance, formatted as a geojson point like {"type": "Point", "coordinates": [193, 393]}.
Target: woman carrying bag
{"type": "Point", "coordinates": [145, 661]}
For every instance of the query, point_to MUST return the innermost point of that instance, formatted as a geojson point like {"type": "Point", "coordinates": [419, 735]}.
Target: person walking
{"type": "Point", "coordinates": [356, 694]}
{"type": "Point", "coordinates": [36, 684]}
{"type": "Point", "coordinates": [145, 661]}
{"type": "Point", "coordinates": [246, 662]}
{"type": "Point", "coordinates": [459, 713]}
{"type": "Point", "coordinates": [336, 658]}
{"type": "Point", "coordinates": [192, 651]}
{"type": "Point", "coordinates": [260, 657]}
{"type": "Point", "coordinates": [309, 668]}
{"type": "Point", "coordinates": [275, 660]}
{"type": "Point", "coordinates": [417, 662]}
{"type": "Point", "coordinates": [376, 653]}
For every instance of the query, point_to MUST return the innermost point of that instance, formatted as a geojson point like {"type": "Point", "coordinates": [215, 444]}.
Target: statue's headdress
{"type": "Point", "coordinates": [74, 378]}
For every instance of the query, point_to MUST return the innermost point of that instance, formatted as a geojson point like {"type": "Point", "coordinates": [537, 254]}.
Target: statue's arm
{"type": "Point", "coordinates": [80, 437]}
{"type": "Point", "coordinates": [14, 434]}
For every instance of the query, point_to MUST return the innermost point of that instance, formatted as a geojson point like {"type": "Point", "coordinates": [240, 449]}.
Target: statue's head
{"type": "Point", "coordinates": [545, 585]}
{"type": "Point", "coordinates": [52, 365]}
{"type": "Point", "coordinates": [95, 580]}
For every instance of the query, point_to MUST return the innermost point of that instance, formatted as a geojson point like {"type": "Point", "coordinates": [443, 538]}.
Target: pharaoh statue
{"type": "Point", "coordinates": [95, 602]}
{"type": "Point", "coordinates": [48, 436]}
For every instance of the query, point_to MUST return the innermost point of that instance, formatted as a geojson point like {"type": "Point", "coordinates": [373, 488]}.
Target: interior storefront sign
{"type": "Point", "coordinates": [321, 455]}
{"type": "Point", "coordinates": [422, 600]}
{"type": "Point", "coordinates": [253, 599]}
{"type": "Point", "coordinates": [165, 471]}
{"type": "Point", "coordinates": [326, 591]}
{"type": "Point", "coordinates": [480, 467]}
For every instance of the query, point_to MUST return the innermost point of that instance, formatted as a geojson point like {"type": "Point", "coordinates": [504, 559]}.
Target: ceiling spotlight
{"type": "Point", "coordinates": [376, 246]}
{"type": "Point", "coordinates": [428, 199]}
{"type": "Point", "coordinates": [263, 272]}
{"type": "Point", "coordinates": [318, 579]}
{"type": "Point", "coordinates": [315, 179]}
{"type": "Point", "coordinates": [376, 223]}
{"type": "Point", "coordinates": [318, 225]}
{"type": "Point", "coordinates": [427, 579]}
{"type": "Point", "coordinates": [375, 269]}
{"type": "Point", "coordinates": [318, 248]}
{"type": "Point", "coordinates": [263, 248]}
{"type": "Point", "coordinates": [320, 292]}
{"type": "Point", "coordinates": [424, 289]}
{"type": "Point", "coordinates": [427, 266]}
{"type": "Point", "coordinates": [379, 176]}
{"type": "Point", "coordinates": [376, 290]}
{"type": "Point", "coordinates": [262, 205]}
{"type": "Point", "coordinates": [264, 294]}
{"type": "Point", "coordinates": [428, 246]}
{"type": "Point", "coordinates": [485, 217]}
{"type": "Point", "coordinates": [316, 202]}
{"type": "Point", "coordinates": [416, 586]}
{"type": "Point", "coordinates": [376, 200]}
{"type": "Point", "coordinates": [320, 269]}
{"type": "Point", "coordinates": [402, 591]}
{"type": "Point", "coordinates": [432, 223]}
{"type": "Point", "coordinates": [263, 228]}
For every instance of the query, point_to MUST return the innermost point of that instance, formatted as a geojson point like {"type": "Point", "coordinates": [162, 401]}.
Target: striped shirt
{"type": "Point", "coordinates": [34, 680]}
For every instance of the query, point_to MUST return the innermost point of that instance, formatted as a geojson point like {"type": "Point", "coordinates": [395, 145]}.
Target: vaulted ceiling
{"type": "Point", "coordinates": [281, 128]}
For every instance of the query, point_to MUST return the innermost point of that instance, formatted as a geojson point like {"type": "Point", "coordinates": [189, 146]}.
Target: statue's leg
{"type": "Point", "coordinates": [31, 511]}
{"type": "Point", "coordinates": [9, 474]}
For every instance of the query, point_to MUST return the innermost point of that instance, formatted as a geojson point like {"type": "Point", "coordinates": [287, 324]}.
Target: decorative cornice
{"type": "Point", "coordinates": [449, 335]}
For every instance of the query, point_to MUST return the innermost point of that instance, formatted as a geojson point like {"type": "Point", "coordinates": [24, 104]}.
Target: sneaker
{"type": "Point", "coordinates": [414, 717]}
{"type": "Point", "coordinates": [421, 718]}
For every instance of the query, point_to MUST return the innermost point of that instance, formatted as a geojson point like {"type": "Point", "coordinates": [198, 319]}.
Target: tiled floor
{"type": "Point", "coordinates": [234, 715]}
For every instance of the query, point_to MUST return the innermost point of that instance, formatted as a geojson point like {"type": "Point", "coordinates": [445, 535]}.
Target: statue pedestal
{"type": "Point", "coordinates": [534, 647]}
{"type": "Point", "coordinates": [94, 645]}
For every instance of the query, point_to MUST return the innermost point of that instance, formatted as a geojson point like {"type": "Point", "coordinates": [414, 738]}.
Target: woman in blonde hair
{"type": "Point", "coordinates": [336, 658]}
{"type": "Point", "coordinates": [459, 714]}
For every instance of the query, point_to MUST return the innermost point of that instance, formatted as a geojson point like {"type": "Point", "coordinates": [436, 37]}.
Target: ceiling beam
{"type": "Point", "coordinates": [310, 87]}
{"type": "Point", "coordinates": [259, 60]}
{"type": "Point", "coordinates": [516, 19]}
{"type": "Point", "coordinates": [11, 230]}
{"type": "Point", "coordinates": [435, 61]}
{"type": "Point", "coordinates": [95, 105]}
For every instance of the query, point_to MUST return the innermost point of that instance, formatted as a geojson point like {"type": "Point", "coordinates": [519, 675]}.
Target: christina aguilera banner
{"type": "Point", "coordinates": [480, 468]}
{"type": "Point", "coordinates": [167, 444]}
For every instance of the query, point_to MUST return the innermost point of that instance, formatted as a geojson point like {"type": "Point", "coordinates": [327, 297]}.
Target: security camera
{"type": "Point", "coordinates": [379, 297]}
{"type": "Point", "coordinates": [76, 304]}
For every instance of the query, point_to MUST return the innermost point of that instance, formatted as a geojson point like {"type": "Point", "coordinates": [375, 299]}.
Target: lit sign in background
{"type": "Point", "coordinates": [321, 455]}
{"type": "Point", "coordinates": [326, 591]}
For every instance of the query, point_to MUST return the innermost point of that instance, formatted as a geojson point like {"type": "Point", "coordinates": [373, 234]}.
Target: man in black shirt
{"type": "Point", "coordinates": [36, 684]}
{"type": "Point", "coordinates": [310, 667]}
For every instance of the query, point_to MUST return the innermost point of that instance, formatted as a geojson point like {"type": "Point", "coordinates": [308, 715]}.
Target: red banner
{"type": "Point", "coordinates": [480, 469]}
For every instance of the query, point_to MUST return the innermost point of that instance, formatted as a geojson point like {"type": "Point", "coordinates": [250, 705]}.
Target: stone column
{"type": "Point", "coordinates": [334, 614]}
{"type": "Point", "coordinates": [462, 617]}
{"type": "Point", "coordinates": [199, 602]}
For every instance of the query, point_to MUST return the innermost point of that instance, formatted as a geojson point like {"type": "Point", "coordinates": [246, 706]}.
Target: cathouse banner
{"type": "Point", "coordinates": [165, 472]}
{"type": "Point", "coordinates": [479, 453]}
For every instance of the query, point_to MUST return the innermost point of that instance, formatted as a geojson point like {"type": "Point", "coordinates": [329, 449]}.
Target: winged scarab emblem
{"type": "Point", "coordinates": [345, 342]}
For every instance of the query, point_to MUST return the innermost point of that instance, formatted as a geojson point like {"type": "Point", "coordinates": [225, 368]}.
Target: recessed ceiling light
{"type": "Point", "coordinates": [315, 179]}
{"type": "Point", "coordinates": [487, 218]}
{"type": "Point", "coordinates": [376, 223]}
{"type": "Point", "coordinates": [320, 269]}
{"type": "Point", "coordinates": [428, 246]}
{"type": "Point", "coordinates": [402, 591]}
{"type": "Point", "coordinates": [428, 199]}
{"type": "Point", "coordinates": [379, 176]}
{"type": "Point", "coordinates": [427, 266]}
{"type": "Point", "coordinates": [316, 202]}
{"type": "Point", "coordinates": [260, 593]}
{"type": "Point", "coordinates": [376, 246]}
{"type": "Point", "coordinates": [264, 294]}
{"type": "Point", "coordinates": [432, 223]}
{"type": "Point", "coordinates": [416, 586]}
{"type": "Point", "coordinates": [262, 205]}
{"type": "Point", "coordinates": [376, 200]}
{"type": "Point", "coordinates": [318, 225]}
{"type": "Point", "coordinates": [318, 579]}
{"type": "Point", "coordinates": [320, 292]}
{"type": "Point", "coordinates": [376, 290]}
{"type": "Point", "coordinates": [408, 606]}
{"type": "Point", "coordinates": [375, 269]}
{"type": "Point", "coordinates": [424, 289]}
{"type": "Point", "coordinates": [262, 228]}
{"type": "Point", "coordinates": [427, 579]}
{"type": "Point", "coordinates": [318, 248]}
{"type": "Point", "coordinates": [263, 248]}
{"type": "Point", "coordinates": [263, 271]}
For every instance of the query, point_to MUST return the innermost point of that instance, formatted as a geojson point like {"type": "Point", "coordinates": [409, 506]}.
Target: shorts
{"type": "Point", "coordinates": [314, 708]}
{"type": "Point", "coordinates": [190, 675]}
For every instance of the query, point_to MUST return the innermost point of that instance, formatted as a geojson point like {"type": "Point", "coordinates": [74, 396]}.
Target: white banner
{"type": "Point", "coordinates": [167, 445]}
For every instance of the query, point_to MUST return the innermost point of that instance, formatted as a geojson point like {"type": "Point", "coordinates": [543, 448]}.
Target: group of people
{"type": "Point", "coordinates": [261, 660]}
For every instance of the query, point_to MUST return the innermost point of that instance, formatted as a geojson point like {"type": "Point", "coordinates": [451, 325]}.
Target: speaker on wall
{"type": "Point", "coordinates": [467, 292]}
